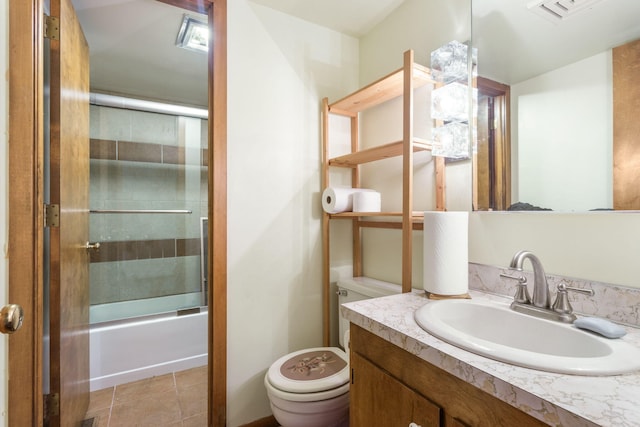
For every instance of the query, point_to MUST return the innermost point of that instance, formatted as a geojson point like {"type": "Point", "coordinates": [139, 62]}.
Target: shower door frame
{"type": "Point", "coordinates": [26, 211]}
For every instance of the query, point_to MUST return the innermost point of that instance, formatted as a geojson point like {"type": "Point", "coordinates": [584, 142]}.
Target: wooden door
{"type": "Point", "coordinates": [69, 188]}
{"type": "Point", "coordinates": [377, 399]}
{"type": "Point", "coordinates": [492, 162]}
{"type": "Point", "coordinates": [26, 219]}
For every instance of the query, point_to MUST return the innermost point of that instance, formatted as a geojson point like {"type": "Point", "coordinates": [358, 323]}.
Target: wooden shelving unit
{"type": "Point", "coordinates": [400, 83]}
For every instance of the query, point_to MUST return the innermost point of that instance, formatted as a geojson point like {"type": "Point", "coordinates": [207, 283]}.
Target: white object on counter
{"type": "Point", "coordinates": [601, 326]}
{"type": "Point", "coordinates": [446, 253]}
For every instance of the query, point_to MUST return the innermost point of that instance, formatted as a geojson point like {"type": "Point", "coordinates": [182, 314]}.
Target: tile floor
{"type": "Point", "coordinates": [173, 400]}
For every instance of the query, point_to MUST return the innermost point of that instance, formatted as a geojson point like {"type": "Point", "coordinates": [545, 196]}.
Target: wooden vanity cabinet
{"type": "Point", "coordinates": [391, 387]}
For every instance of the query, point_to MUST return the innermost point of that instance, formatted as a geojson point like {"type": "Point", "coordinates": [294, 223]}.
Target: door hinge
{"type": "Point", "coordinates": [52, 215]}
{"type": "Point", "coordinates": [51, 405]}
{"type": "Point", "coordinates": [51, 27]}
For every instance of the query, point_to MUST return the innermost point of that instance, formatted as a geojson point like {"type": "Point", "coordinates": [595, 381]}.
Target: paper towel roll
{"type": "Point", "coordinates": [367, 201]}
{"type": "Point", "coordinates": [446, 253]}
{"type": "Point", "coordinates": [339, 199]}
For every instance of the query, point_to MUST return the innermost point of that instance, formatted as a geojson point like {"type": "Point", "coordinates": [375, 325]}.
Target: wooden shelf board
{"type": "Point", "coordinates": [417, 219]}
{"type": "Point", "coordinates": [416, 224]}
{"type": "Point", "coordinates": [380, 91]}
{"type": "Point", "coordinates": [393, 149]}
{"type": "Point", "coordinates": [361, 214]}
{"type": "Point", "coordinates": [415, 214]}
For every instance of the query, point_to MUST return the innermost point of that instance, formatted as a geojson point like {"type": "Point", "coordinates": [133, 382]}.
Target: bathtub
{"type": "Point", "coordinates": [126, 351]}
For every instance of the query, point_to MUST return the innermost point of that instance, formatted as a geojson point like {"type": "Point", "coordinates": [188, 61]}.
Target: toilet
{"type": "Point", "coordinates": [310, 387]}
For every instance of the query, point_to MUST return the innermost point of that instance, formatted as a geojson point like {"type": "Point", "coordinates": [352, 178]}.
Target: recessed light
{"type": "Point", "coordinates": [193, 34]}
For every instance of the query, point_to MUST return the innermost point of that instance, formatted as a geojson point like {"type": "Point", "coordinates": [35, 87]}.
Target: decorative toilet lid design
{"type": "Point", "coordinates": [310, 370]}
{"type": "Point", "coordinates": [312, 365]}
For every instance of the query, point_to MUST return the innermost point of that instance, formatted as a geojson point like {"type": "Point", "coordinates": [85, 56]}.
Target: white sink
{"type": "Point", "coordinates": [494, 330]}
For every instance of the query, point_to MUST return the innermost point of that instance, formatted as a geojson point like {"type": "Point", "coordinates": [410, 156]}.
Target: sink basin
{"type": "Point", "coordinates": [493, 330]}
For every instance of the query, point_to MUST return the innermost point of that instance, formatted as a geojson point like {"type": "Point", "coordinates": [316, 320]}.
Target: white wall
{"type": "Point", "coordinates": [279, 69]}
{"type": "Point", "coordinates": [562, 137]}
{"type": "Point", "coordinates": [599, 246]}
{"type": "Point", "coordinates": [4, 176]}
{"type": "Point", "coordinates": [417, 24]}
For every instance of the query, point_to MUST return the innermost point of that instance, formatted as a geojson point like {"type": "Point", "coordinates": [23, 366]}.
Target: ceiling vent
{"type": "Point", "coordinates": [559, 10]}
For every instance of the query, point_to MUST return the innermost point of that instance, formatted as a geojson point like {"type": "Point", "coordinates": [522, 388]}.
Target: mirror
{"type": "Point", "coordinates": [555, 140]}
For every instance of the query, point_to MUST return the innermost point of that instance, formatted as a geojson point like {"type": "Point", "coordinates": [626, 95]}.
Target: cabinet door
{"type": "Point", "coordinates": [425, 412]}
{"type": "Point", "coordinates": [377, 399]}
{"type": "Point", "coordinates": [450, 421]}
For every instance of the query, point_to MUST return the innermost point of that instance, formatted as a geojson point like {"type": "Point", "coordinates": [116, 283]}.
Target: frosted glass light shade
{"type": "Point", "coordinates": [451, 141]}
{"type": "Point", "coordinates": [449, 62]}
{"type": "Point", "coordinates": [450, 103]}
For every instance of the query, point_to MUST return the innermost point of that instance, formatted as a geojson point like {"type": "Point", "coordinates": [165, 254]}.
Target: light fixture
{"type": "Point", "coordinates": [449, 62]}
{"type": "Point", "coordinates": [450, 103]}
{"type": "Point", "coordinates": [193, 35]}
{"type": "Point", "coordinates": [452, 135]}
{"type": "Point", "coordinates": [451, 141]}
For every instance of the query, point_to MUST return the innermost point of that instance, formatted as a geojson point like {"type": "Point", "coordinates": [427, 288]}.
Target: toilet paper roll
{"type": "Point", "coordinates": [339, 199]}
{"type": "Point", "coordinates": [446, 253]}
{"type": "Point", "coordinates": [367, 201]}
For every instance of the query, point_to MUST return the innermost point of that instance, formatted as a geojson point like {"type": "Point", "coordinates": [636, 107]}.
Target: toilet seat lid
{"type": "Point", "coordinates": [310, 370]}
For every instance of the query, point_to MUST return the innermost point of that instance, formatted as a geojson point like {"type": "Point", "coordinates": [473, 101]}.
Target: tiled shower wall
{"type": "Point", "coordinates": [142, 160]}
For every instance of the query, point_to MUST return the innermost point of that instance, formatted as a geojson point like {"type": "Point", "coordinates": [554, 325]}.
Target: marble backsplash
{"type": "Point", "coordinates": [617, 303]}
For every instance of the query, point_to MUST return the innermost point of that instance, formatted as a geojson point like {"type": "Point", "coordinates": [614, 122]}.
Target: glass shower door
{"type": "Point", "coordinates": [148, 201]}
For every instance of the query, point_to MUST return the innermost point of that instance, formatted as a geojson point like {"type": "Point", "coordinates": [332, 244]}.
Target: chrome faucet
{"type": "Point", "coordinates": [540, 287]}
{"type": "Point", "coordinates": [540, 305]}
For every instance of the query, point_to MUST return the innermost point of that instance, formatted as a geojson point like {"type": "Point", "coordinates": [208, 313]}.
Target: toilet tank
{"type": "Point", "coordinates": [359, 288]}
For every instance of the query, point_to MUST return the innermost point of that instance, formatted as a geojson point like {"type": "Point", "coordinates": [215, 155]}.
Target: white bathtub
{"type": "Point", "coordinates": [129, 351]}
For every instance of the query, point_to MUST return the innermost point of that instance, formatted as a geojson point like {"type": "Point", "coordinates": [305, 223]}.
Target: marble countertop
{"type": "Point", "coordinates": [556, 399]}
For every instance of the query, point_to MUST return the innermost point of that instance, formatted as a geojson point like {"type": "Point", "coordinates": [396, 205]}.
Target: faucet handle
{"type": "Point", "coordinates": [561, 304]}
{"type": "Point", "coordinates": [519, 278]}
{"type": "Point", "coordinates": [522, 293]}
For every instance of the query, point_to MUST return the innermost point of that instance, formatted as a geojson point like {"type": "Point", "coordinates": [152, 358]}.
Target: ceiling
{"type": "Point", "coordinates": [132, 42]}
{"type": "Point", "coordinates": [133, 52]}
{"type": "Point", "coordinates": [515, 44]}
{"type": "Point", "coordinates": [353, 17]}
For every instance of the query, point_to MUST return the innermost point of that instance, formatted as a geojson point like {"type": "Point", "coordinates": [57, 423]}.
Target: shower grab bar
{"type": "Point", "coordinates": [140, 211]}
